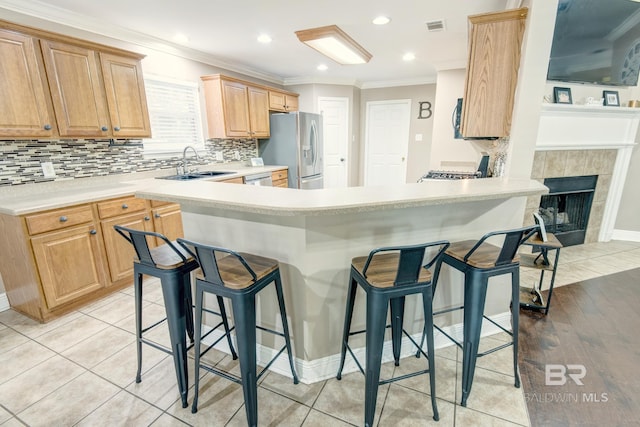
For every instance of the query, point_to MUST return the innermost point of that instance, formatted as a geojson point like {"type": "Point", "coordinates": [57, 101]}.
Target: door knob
{"type": "Point", "coordinates": [342, 159]}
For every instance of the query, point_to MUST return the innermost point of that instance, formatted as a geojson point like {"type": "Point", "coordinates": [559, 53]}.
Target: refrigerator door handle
{"type": "Point", "coordinates": [314, 142]}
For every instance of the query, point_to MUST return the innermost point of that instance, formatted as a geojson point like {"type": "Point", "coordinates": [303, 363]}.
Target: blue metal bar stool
{"type": "Point", "coordinates": [388, 275]}
{"type": "Point", "coordinates": [480, 260]}
{"type": "Point", "coordinates": [239, 277]}
{"type": "Point", "coordinates": [172, 265]}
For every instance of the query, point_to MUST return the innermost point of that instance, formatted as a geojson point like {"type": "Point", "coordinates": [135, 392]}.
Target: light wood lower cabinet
{"type": "Point", "coordinates": [55, 261]}
{"type": "Point", "coordinates": [70, 263]}
{"type": "Point", "coordinates": [119, 252]}
{"type": "Point", "coordinates": [280, 178]}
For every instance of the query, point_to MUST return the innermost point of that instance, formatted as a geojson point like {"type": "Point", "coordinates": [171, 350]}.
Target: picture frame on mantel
{"type": "Point", "coordinates": [562, 95]}
{"type": "Point", "coordinates": [611, 98]}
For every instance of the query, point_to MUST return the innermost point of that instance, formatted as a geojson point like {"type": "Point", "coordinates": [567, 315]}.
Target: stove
{"type": "Point", "coordinates": [440, 174]}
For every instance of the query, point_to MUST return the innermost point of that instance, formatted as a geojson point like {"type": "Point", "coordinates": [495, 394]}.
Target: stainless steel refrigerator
{"type": "Point", "coordinates": [296, 142]}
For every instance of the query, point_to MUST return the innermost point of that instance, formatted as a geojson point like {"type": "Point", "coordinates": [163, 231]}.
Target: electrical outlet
{"type": "Point", "coordinates": [47, 169]}
{"type": "Point", "coordinates": [236, 155]}
{"type": "Point", "coordinates": [219, 156]}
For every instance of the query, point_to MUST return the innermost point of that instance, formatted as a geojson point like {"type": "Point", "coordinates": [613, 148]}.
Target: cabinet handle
{"type": "Point", "coordinates": [124, 206]}
{"type": "Point", "coordinates": [117, 128]}
{"type": "Point", "coordinates": [156, 215]}
{"type": "Point", "coordinates": [47, 127]}
{"type": "Point", "coordinates": [146, 218]}
{"type": "Point", "coordinates": [104, 128]}
{"type": "Point", "coordinates": [63, 219]}
{"type": "Point", "coordinates": [93, 232]}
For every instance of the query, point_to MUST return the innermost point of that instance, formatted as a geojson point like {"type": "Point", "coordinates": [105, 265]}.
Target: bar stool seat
{"type": "Point", "coordinates": [479, 260]}
{"type": "Point", "coordinates": [173, 266]}
{"type": "Point", "coordinates": [388, 275]}
{"type": "Point", "coordinates": [239, 277]}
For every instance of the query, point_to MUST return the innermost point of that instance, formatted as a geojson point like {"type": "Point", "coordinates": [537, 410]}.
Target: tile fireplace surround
{"type": "Point", "coordinates": [576, 140]}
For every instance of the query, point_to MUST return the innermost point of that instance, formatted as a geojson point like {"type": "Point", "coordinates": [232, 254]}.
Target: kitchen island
{"type": "Point", "coordinates": [315, 234]}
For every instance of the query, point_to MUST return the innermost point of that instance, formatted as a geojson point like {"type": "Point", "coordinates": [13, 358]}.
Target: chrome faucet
{"type": "Point", "coordinates": [185, 164]}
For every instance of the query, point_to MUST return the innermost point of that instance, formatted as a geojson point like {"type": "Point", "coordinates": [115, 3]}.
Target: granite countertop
{"type": "Point", "coordinates": [292, 202]}
{"type": "Point", "coordinates": [30, 198]}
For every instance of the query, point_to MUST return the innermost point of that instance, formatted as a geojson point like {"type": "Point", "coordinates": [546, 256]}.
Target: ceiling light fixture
{"type": "Point", "coordinates": [322, 67]}
{"type": "Point", "coordinates": [334, 43]}
{"type": "Point", "coordinates": [264, 38]}
{"type": "Point", "coordinates": [381, 20]}
{"type": "Point", "coordinates": [409, 56]}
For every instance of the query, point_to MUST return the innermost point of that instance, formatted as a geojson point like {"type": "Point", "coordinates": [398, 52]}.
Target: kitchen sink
{"type": "Point", "coordinates": [195, 175]}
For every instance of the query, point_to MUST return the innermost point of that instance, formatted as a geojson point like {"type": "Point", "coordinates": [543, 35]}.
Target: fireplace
{"type": "Point", "coordinates": [565, 210]}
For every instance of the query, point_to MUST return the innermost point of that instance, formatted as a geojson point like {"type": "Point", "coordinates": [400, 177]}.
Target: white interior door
{"type": "Point", "coordinates": [335, 126]}
{"type": "Point", "coordinates": [387, 142]}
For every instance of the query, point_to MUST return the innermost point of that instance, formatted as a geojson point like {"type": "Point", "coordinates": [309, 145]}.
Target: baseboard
{"type": "Point", "coordinates": [4, 302]}
{"type": "Point", "coordinates": [628, 235]}
{"type": "Point", "coordinates": [311, 371]}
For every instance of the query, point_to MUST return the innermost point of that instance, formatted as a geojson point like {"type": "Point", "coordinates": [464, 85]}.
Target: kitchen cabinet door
{"type": "Point", "coordinates": [76, 90]}
{"type": "Point", "coordinates": [69, 263]}
{"type": "Point", "coordinates": [167, 220]}
{"type": "Point", "coordinates": [25, 107]}
{"type": "Point", "coordinates": [236, 109]}
{"type": "Point", "coordinates": [120, 253]}
{"type": "Point", "coordinates": [492, 73]}
{"type": "Point", "coordinates": [126, 99]}
{"type": "Point", "coordinates": [279, 101]}
{"type": "Point", "coordinates": [258, 112]}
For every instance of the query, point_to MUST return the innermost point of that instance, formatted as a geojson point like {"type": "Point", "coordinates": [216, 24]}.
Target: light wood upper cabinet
{"type": "Point", "coordinates": [258, 112]}
{"type": "Point", "coordinates": [76, 90]}
{"type": "Point", "coordinates": [25, 106]}
{"type": "Point", "coordinates": [126, 98]}
{"type": "Point", "coordinates": [235, 109]}
{"type": "Point", "coordinates": [52, 85]}
{"type": "Point", "coordinates": [284, 102]}
{"type": "Point", "coordinates": [492, 73]}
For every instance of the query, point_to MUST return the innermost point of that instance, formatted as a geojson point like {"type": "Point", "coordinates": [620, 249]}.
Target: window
{"type": "Point", "coordinates": [174, 112]}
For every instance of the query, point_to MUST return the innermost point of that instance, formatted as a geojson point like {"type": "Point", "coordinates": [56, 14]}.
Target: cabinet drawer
{"type": "Point", "coordinates": [116, 207]}
{"type": "Point", "coordinates": [281, 183]}
{"type": "Point", "coordinates": [276, 175]}
{"type": "Point", "coordinates": [237, 180]}
{"type": "Point", "coordinates": [58, 219]}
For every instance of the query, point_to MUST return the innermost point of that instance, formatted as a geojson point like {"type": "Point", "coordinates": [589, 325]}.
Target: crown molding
{"type": "Point", "coordinates": [394, 83]}
{"type": "Point", "coordinates": [75, 21]}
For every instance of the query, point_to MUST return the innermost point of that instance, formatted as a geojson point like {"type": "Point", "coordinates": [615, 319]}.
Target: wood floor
{"type": "Point", "coordinates": [592, 331]}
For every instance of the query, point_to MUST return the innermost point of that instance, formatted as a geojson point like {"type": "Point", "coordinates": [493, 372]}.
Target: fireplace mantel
{"type": "Point", "coordinates": [575, 127]}
{"type": "Point", "coordinates": [586, 127]}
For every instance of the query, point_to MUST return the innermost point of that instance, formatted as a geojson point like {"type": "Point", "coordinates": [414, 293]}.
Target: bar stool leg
{"type": "Point", "coordinates": [137, 288]}
{"type": "Point", "coordinates": [376, 321]}
{"type": "Point", "coordinates": [515, 319]}
{"type": "Point", "coordinates": [431, 353]}
{"type": "Point", "coordinates": [285, 325]}
{"type": "Point", "coordinates": [188, 304]}
{"type": "Point", "coordinates": [475, 290]}
{"type": "Point", "coordinates": [351, 297]}
{"type": "Point", "coordinates": [196, 347]}
{"type": "Point", "coordinates": [397, 317]}
{"type": "Point", "coordinates": [173, 292]}
{"type": "Point", "coordinates": [246, 336]}
{"type": "Point", "coordinates": [225, 322]}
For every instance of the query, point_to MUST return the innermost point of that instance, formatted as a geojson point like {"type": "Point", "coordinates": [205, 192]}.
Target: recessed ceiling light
{"type": "Point", "coordinates": [181, 38]}
{"type": "Point", "coordinates": [381, 20]}
{"type": "Point", "coordinates": [322, 67]}
{"type": "Point", "coordinates": [264, 38]}
{"type": "Point", "coordinates": [409, 56]}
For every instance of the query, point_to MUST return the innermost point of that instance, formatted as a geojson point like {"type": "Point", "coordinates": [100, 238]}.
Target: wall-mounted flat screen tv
{"type": "Point", "coordinates": [596, 41]}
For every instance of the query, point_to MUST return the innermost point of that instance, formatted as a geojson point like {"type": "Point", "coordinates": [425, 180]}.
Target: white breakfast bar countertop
{"type": "Point", "coordinates": [293, 202]}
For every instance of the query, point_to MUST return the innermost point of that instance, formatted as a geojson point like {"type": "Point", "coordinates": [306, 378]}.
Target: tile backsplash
{"type": "Point", "coordinates": [79, 158]}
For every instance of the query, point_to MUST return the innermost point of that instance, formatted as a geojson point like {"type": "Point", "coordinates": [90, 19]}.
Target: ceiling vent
{"type": "Point", "coordinates": [437, 25]}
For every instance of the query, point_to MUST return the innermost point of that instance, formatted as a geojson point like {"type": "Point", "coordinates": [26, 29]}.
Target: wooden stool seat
{"type": "Point", "coordinates": [383, 269]}
{"type": "Point", "coordinates": [483, 257]}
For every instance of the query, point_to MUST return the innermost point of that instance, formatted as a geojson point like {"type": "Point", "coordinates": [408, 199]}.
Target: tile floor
{"type": "Point", "coordinates": [79, 370]}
